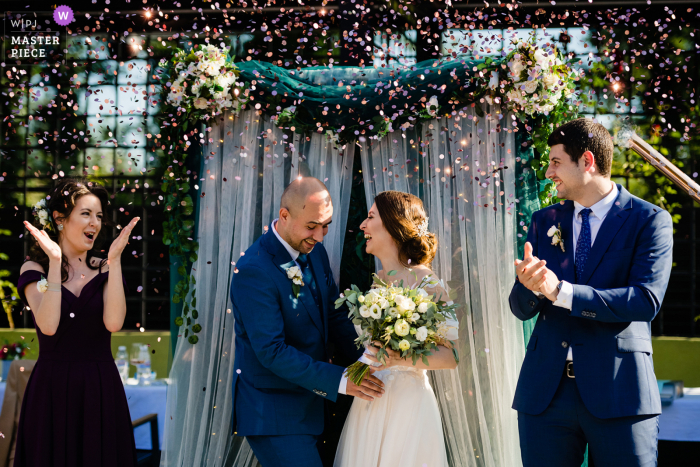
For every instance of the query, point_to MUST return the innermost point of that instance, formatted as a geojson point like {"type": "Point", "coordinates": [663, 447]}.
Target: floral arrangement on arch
{"type": "Point", "coordinates": [204, 82]}
{"type": "Point", "coordinates": [538, 80]}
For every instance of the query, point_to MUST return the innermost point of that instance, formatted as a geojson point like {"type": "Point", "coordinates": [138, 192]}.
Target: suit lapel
{"type": "Point", "coordinates": [617, 216]}
{"type": "Point", "coordinates": [283, 262]}
{"type": "Point", "coordinates": [566, 258]}
{"type": "Point", "coordinates": [317, 271]}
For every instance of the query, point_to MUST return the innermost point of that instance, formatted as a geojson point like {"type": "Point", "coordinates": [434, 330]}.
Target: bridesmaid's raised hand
{"type": "Point", "coordinates": [118, 245]}
{"type": "Point", "coordinates": [51, 248]}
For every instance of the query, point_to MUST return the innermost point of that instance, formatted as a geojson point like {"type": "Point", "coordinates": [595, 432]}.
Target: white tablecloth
{"type": "Point", "coordinates": [680, 421]}
{"type": "Point", "coordinates": [142, 400]}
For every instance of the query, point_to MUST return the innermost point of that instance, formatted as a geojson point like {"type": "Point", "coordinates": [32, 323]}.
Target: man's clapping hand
{"type": "Point", "coordinates": [534, 275]}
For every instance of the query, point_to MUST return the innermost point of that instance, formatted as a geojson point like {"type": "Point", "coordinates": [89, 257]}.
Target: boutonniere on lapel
{"type": "Point", "coordinates": [557, 239]}
{"type": "Point", "coordinates": [294, 273]}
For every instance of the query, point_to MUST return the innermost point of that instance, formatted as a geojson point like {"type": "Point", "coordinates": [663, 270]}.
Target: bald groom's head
{"type": "Point", "coordinates": [306, 210]}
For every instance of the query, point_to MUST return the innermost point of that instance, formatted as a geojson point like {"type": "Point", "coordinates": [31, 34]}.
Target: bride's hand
{"type": "Point", "coordinates": [119, 243]}
{"type": "Point", "coordinates": [51, 248]}
{"type": "Point", "coordinates": [390, 359]}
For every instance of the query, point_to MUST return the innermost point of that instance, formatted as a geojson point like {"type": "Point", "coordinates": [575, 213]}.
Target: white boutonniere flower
{"type": "Point", "coordinates": [294, 273]}
{"type": "Point", "coordinates": [43, 285]}
{"type": "Point", "coordinates": [555, 233]}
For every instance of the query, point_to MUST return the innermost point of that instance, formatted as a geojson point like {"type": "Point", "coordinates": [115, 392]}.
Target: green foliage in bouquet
{"type": "Point", "coordinates": [407, 320]}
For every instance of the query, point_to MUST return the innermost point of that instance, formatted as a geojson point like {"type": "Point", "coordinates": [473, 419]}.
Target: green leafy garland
{"type": "Point", "coordinates": [203, 85]}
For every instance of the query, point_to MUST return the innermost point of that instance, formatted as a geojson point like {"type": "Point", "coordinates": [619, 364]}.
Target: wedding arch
{"type": "Point", "coordinates": [451, 132]}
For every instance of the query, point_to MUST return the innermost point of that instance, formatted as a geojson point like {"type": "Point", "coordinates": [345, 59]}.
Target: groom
{"type": "Point", "coordinates": [588, 375]}
{"type": "Point", "coordinates": [282, 373]}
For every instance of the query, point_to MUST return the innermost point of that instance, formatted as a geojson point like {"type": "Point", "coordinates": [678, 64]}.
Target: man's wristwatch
{"type": "Point", "coordinates": [559, 285]}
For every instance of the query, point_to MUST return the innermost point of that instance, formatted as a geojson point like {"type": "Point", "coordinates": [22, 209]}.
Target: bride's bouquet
{"type": "Point", "coordinates": [408, 320]}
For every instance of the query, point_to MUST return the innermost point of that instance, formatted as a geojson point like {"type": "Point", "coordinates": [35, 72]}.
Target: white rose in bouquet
{"type": "Point", "coordinates": [514, 95]}
{"type": "Point", "coordinates": [422, 333]}
{"type": "Point", "coordinates": [364, 311]}
{"type": "Point", "coordinates": [375, 311]}
{"type": "Point", "coordinates": [544, 59]}
{"type": "Point", "coordinates": [516, 68]}
{"type": "Point", "coordinates": [530, 86]}
{"type": "Point", "coordinates": [422, 308]}
{"type": "Point", "coordinates": [200, 103]}
{"type": "Point", "coordinates": [402, 328]}
{"type": "Point", "coordinates": [550, 80]}
{"type": "Point", "coordinates": [554, 98]}
{"type": "Point", "coordinates": [404, 304]}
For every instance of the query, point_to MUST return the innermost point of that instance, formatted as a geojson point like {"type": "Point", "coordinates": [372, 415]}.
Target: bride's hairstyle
{"type": "Point", "coordinates": [62, 198]}
{"type": "Point", "coordinates": [403, 215]}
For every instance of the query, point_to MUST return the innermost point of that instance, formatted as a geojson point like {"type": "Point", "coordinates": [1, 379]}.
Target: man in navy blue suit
{"type": "Point", "coordinates": [596, 268]}
{"type": "Point", "coordinates": [283, 295]}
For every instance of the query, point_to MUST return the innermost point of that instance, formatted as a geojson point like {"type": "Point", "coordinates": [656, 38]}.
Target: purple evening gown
{"type": "Point", "coordinates": [74, 411]}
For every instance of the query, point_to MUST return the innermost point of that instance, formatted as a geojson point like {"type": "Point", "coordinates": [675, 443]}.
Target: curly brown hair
{"type": "Point", "coordinates": [401, 214]}
{"type": "Point", "coordinates": [62, 199]}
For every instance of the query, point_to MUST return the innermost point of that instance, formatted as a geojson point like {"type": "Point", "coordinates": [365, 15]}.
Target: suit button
{"type": "Point", "coordinates": [565, 344]}
{"type": "Point", "coordinates": [531, 303]}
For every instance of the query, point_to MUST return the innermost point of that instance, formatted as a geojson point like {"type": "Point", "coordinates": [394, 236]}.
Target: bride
{"type": "Point", "coordinates": [403, 427]}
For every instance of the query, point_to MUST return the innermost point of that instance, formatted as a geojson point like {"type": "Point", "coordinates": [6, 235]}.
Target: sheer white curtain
{"type": "Point", "coordinates": [247, 165]}
{"type": "Point", "coordinates": [463, 170]}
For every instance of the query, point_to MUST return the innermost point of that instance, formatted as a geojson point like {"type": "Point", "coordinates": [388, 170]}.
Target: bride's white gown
{"type": "Point", "coordinates": [401, 428]}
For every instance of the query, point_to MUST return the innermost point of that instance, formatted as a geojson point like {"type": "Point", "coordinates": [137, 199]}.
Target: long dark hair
{"type": "Point", "coordinates": [401, 214]}
{"type": "Point", "coordinates": [62, 198]}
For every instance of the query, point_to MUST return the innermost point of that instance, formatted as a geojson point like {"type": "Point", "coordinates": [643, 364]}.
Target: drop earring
{"type": "Point", "coordinates": [60, 227]}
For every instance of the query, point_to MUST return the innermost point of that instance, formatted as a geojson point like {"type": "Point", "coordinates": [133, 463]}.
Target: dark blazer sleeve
{"type": "Point", "coordinates": [524, 304]}
{"type": "Point", "coordinates": [649, 274]}
{"type": "Point", "coordinates": [257, 301]}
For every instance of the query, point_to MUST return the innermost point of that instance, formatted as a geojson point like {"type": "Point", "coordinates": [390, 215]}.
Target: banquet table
{"type": "Point", "coordinates": [142, 400]}
{"type": "Point", "coordinates": [680, 421]}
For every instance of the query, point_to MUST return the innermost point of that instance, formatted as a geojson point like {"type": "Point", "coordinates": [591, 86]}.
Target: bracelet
{"type": "Point", "coordinates": [53, 287]}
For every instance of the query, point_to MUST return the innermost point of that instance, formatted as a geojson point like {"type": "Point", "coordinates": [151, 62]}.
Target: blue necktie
{"type": "Point", "coordinates": [309, 280]}
{"type": "Point", "coordinates": [583, 245]}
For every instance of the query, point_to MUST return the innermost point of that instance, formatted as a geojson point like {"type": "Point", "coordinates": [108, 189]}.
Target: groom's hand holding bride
{"type": "Point", "coordinates": [371, 385]}
{"type": "Point", "coordinates": [370, 388]}
{"type": "Point", "coordinates": [534, 275]}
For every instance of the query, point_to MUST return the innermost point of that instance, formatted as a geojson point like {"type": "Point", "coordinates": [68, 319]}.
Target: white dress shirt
{"type": "Point", "coordinates": [595, 219]}
{"type": "Point", "coordinates": [295, 254]}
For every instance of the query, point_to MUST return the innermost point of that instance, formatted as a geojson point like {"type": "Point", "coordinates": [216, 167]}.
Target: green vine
{"type": "Point", "coordinates": [188, 100]}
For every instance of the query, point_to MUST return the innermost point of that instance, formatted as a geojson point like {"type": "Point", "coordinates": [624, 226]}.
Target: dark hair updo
{"type": "Point", "coordinates": [402, 214]}
{"type": "Point", "coordinates": [63, 198]}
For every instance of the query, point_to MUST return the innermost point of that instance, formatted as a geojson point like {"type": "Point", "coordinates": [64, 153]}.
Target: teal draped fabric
{"type": "Point", "coordinates": [357, 91]}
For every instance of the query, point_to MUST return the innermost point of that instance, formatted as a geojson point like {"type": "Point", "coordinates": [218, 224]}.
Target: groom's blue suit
{"type": "Point", "coordinates": [281, 371]}
{"type": "Point", "coordinates": [612, 401]}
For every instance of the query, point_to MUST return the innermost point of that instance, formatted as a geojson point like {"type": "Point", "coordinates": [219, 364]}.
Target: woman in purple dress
{"type": "Point", "coordinates": [74, 411]}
